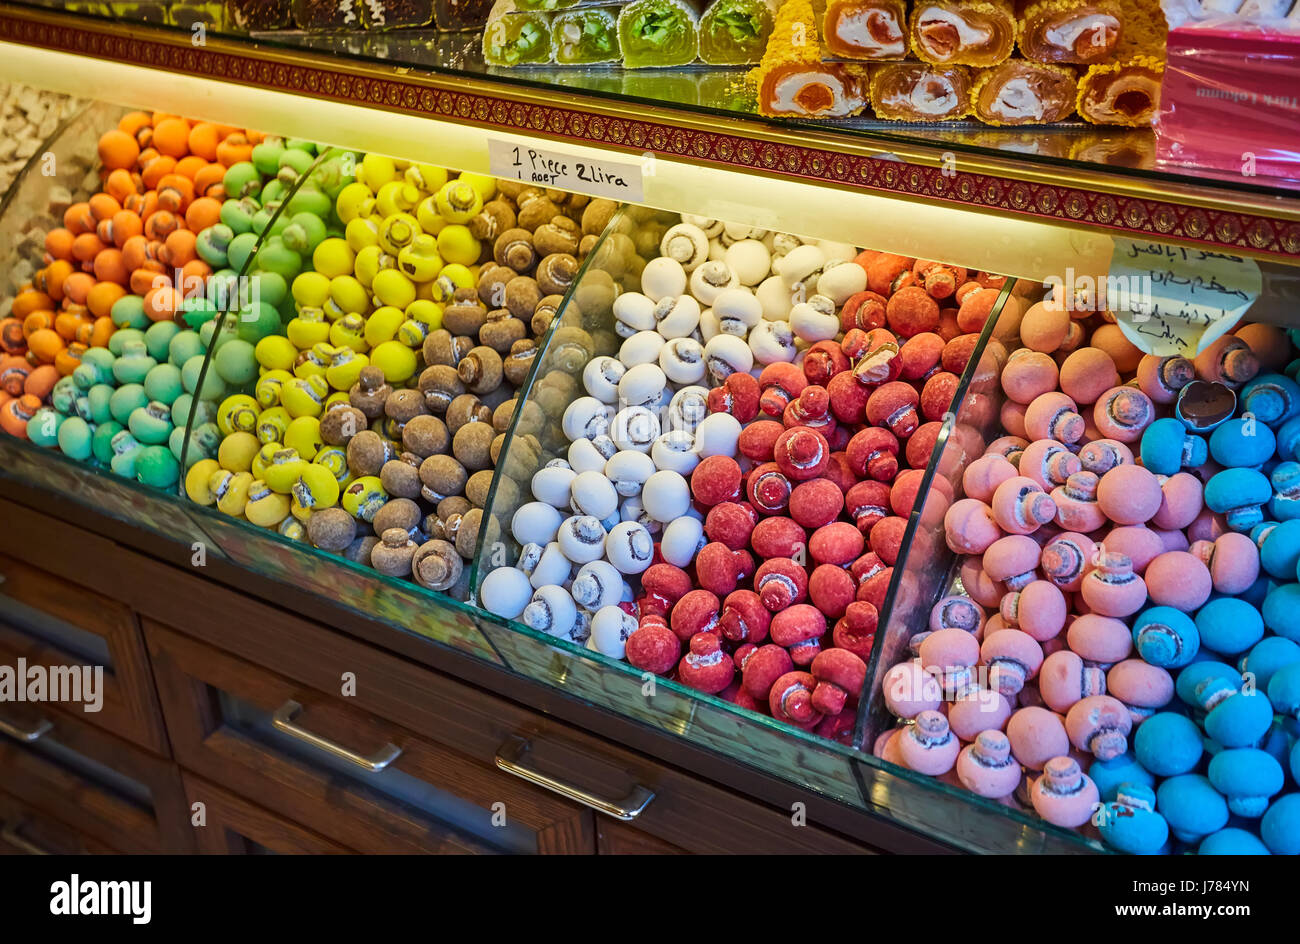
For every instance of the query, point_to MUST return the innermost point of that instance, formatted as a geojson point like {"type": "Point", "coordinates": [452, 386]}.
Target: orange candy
{"type": "Point", "coordinates": [194, 276]}
{"type": "Point", "coordinates": [100, 299]}
{"type": "Point", "coordinates": [120, 228]}
{"type": "Point", "coordinates": [175, 192]}
{"type": "Point", "coordinates": [189, 166]}
{"type": "Point", "coordinates": [160, 304]}
{"type": "Point", "coordinates": [145, 280]}
{"type": "Point", "coordinates": [41, 381]}
{"type": "Point", "coordinates": [58, 242]}
{"type": "Point", "coordinates": [102, 207]}
{"type": "Point", "coordinates": [30, 300]}
{"type": "Point", "coordinates": [68, 359]}
{"type": "Point", "coordinates": [14, 371]}
{"type": "Point", "coordinates": [101, 329]}
{"type": "Point", "coordinates": [75, 289]}
{"type": "Point", "coordinates": [134, 122]}
{"type": "Point", "coordinates": [50, 279]}
{"type": "Point", "coordinates": [73, 217]}
{"type": "Point", "coordinates": [171, 136]}
{"type": "Point", "coordinates": [121, 184]}
{"type": "Point", "coordinates": [15, 414]}
{"type": "Point", "coordinates": [143, 204]}
{"type": "Point", "coordinates": [210, 179]}
{"type": "Point", "coordinates": [37, 321]}
{"type": "Point", "coordinates": [161, 224]}
{"type": "Point", "coordinates": [178, 248]}
{"type": "Point", "coordinates": [156, 170]}
{"type": "Point", "coordinates": [234, 148]}
{"type": "Point", "coordinates": [202, 213]}
{"type": "Point", "coordinates": [109, 267]}
{"type": "Point", "coordinates": [117, 149]}
{"type": "Point", "coordinates": [203, 140]}
{"type": "Point", "coordinates": [86, 246]}
{"type": "Point", "coordinates": [44, 344]}
{"type": "Point", "coordinates": [12, 339]}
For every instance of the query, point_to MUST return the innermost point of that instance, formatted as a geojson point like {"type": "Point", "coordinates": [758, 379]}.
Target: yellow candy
{"type": "Point", "coordinates": [293, 529]}
{"type": "Point", "coordinates": [231, 491]}
{"type": "Point", "coordinates": [391, 287]}
{"type": "Point", "coordinates": [265, 508]}
{"type": "Point", "coordinates": [426, 177]}
{"type": "Point", "coordinates": [382, 324]}
{"type": "Point", "coordinates": [396, 196]}
{"type": "Point", "coordinates": [335, 460]}
{"type": "Point", "coordinates": [310, 327]}
{"type": "Point", "coordinates": [396, 360]}
{"type": "Point", "coordinates": [267, 390]}
{"type": "Point", "coordinates": [274, 352]}
{"type": "Point", "coordinates": [369, 263]}
{"type": "Point", "coordinates": [310, 289]}
{"type": "Point", "coordinates": [345, 368]}
{"type": "Point", "coordinates": [316, 488]}
{"type": "Point", "coordinates": [333, 257]}
{"type": "Point", "coordinates": [363, 497]}
{"type": "Point", "coordinates": [338, 397]}
{"type": "Point", "coordinates": [312, 362]}
{"type": "Point", "coordinates": [347, 295]}
{"type": "Point", "coordinates": [458, 202]}
{"type": "Point", "coordinates": [305, 396]}
{"type": "Point", "coordinates": [429, 218]}
{"type": "Point", "coordinates": [303, 435]}
{"type": "Point", "coordinates": [197, 479]}
{"type": "Point", "coordinates": [238, 412]}
{"type": "Point", "coordinates": [376, 170]}
{"type": "Point", "coordinates": [397, 232]}
{"type": "Point", "coordinates": [349, 331]}
{"type": "Point", "coordinates": [362, 232]}
{"type": "Point", "coordinates": [483, 183]}
{"type": "Point", "coordinates": [281, 467]}
{"type": "Point", "coordinates": [237, 450]}
{"type": "Point", "coordinates": [420, 260]}
{"type": "Point", "coordinates": [354, 201]}
{"type": "Point", "coordinates": [451, 277]}
{"type": "Point", "coordinates": [273, 424]}
{"type": "Point", "coordinates": [456, 244]}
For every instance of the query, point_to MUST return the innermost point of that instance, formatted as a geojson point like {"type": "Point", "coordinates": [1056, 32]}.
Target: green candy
{"type": "Point", "coordinates": [74, 438]}
{"type": "Point", "coordinates": [99, 399]}
{"type": "Point", "coordinates": [309, 199]}
{"type": "Point", "coordinates": [242, 180]}
{"type": "Point", "coordinates": [158, 336]}
{"type": "Point", "coordinates": [125, 451]}
{"type": "Point", "coordinates": [96, 367]}
{"type": "Point", "coordinates": [238, 214]}
{"type": "Point", "coordinates": [241, 250]}
{"type": "Point", "coordinates": [208, 333]}
{"type": "Point", "coordinates": [134, 363]}
{"type": "Point", "coordinates": [275, 256]}
{"type": "Point", "coordinates": [63, 397]}
{"type": "Point", "coordinates": [235, 361]}
{"type": "Point", "coordinates": [273, 194]}
{"type": "Point", "coordinates": [301, 144]}
{"type": "Point", "coordinates": [118, 340]}
{"type": "Point", "coordinates": [101, 444]}
{"type": "Point", "coordinates": [299, 161]}
{"type": "Point", "coordinates": [269, 287]}
{"type": "Point", "coordinates": [204, 441]}
{"type": "Point", "coordinates": [157, 467]}
{"type": "Point", "coordinates": [43, 427]}
{"type": "Point", "coordinates": [212, 244]}
{"type": "Point", "coordinates": [163, 383]}
{"type": "Point", "coordinates": [261, 220]}
{"type": "Point", "coordinates": [151, 424]}
{"type": "Point", "coordinates": [255, 321]}
{"type": "Point", "coordinates": [304, 233]}
{"type": "Point", "coordinates": [184, 346]}
{"type": "Point", "coordinates": [206, 412]}
{"type": "Point", "coordinates": [266, 156]}
{"type": "Point", "coordinates": [128, 312]}
{"type": "Point", "coordinates": [214, 388]}
{"type": "Point", "coordinates": [126, 400]}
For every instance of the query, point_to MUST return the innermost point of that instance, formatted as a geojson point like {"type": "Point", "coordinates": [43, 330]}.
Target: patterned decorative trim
{"type": "Point", "coordinates": [1139, 216]}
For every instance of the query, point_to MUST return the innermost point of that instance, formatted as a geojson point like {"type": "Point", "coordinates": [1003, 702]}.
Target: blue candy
{"type": "Point", "coordinates": [1239, 495]}
{"type": "Point", "coordinates": [1280, 827]}
{"type": "Point", "coordinates": [1234, 718]}
{"type": "Point", "coordinates": [1284, 690]}
{"type": "Point", "coordinates": [1166, 637]}
{"type": "Point", "coordinates": [1288, 439]}
{"type": "Point", "coordinates": [1229, 625]}
{"type": "Point", "coordinates": [1272, 398]}
{"type": "Point", "coordinates": [1242, 442]}
{"type": "Point", "coordinates": [1109, 774]}
{"type": "Point", "coordinates": [1167, 447]}
{"type": "Point", "coordinates": [1295, 762]}
{"type": "Point", "coordinates": [1280, 551]}
{"type": "Point", "coordinates": [1266, 657]}
{"type": "Point", "coordinates": [1232, 841]}
{"type": "Point", "coordinates": [1281, 610]}
{"type": "Point", "coordinates": [1248, 777]}
{"type": "Point", "coordinates": [1191, 806]}
{"type": "Point", "coordinates": [1131, 824]}
{"type": "Point", "coordinates": [1197, 672]}
{"type": "Point", "coordinates": [1285, 478]}
{"type": "Point", "coordinates": [1167, 744]}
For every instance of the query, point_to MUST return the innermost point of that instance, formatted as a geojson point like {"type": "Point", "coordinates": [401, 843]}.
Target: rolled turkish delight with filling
{"type": "Point", "coordinates": [1071, 31]}
{"type": "Point", "coordinates": [793, 77]}
{"type": "Point", "coordinates": [918, 91]}
{"type": "Point", "coordinates": [962, 32]}
{"type": "Point", "coordinates": [1019, 92]}
{"type": "Point", "coordinates": [1121, 93]}
{"type": "Point", "coordinates": [874, 30]}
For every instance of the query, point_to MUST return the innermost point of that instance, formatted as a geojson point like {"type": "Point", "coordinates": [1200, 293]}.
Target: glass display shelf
{"type": "Point", "coordinates": [700, 113]}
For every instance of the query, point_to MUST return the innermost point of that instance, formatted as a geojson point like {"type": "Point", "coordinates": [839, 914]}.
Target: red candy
{"type": "Point", "coordinates": [757, 439]}
{"type": "Point", "coordinates": [768, 489]}
{"type": "Point", "coordinates": [865, 310]}
{"type": "Point", "coordinates": [868, 502]}
{"type": "Point", "coordinates": [781, 583]}
{"type": "Point", "coordinates": [873, 453]}
{"type": "Point", "coordinates": [716, 479]}
{"type": "Point", "coordinates": [802, 453]}
{"type": "Point", "coordinates": [912, 311]}
{"type": "Point", "coordinates": [762, 668]}
{"type": "Point", "coordinates": [744, 619]}
{"type": "Point", "coordinates": [720, 569]}
{"type": "Point", "coordinates": [831, 589]}
{"type": "Point", "coordinates": [893, 405]}
{"type": "Point", "coordinates": [887, 538]}
{"type": "Point", "coordinates": [823, 361]}
{"type": "Point", "coordinates": [837, 543]}
{"type": "Point", "coordinates": [812, 409]}
{"type": "Point", "coordinates": [816, 502]}
{"type": "Point", "coordinates": [731, 523]}
{"type": "Point", "coordinates": [856, 630]}
{"type": "Point", "coordinates": [848, 398]}
{"type": "Point", "coordinates": [706, 667]}
{"type": "Point", "coordinates": [780, 383]}
{"type": "Point", "coordinates": [653, 647]}
{"type": "Point", "coordinates": [876, 356]}
{"type": "Point", "coordinates": [921, 443]}
{"type": "Point", "coordinates": [778, 537]}
{"type": "Point", "coordinates": [840, 676]}
{"type": "Point", "coordinates": [920, 356]}
{"type": "Point", "coordinates": [791, 699]}
{"type": "Point", "coordinates": [799, 629]}
{"type": "Point", "coordinates": [664, 584]}
{"type": "Point", "coordinates": [696, 612]}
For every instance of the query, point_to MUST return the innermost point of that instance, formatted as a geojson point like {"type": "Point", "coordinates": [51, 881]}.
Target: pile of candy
{"type": "Point", "coordinates": [742, 538]}
{"type": "Point", "coordinates": [1133, 537]}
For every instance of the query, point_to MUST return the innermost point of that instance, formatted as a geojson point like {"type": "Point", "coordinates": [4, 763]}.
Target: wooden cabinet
{"type": "Point", "coordinates": [227, 824]}
{"type": "Point", "coordinates": [25, 830]}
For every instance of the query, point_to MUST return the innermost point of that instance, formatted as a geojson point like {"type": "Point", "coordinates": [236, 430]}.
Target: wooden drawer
{"type": "Point", "coordinates": [94, 781]}
{"type": "Point", "coordinates": [615, 838]}
{"type": "Point", "coordinates": [361, 781]}
{"type": "Point", "coordinates": [50, 622]}
{"type": "Point", "coordinates": [226, 824]}
{"type": "Point", "coordinates": [25, 830]}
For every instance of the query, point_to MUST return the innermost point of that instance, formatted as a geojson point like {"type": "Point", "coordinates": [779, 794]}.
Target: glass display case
{"type": "Point", "coordinates": [358, 365]}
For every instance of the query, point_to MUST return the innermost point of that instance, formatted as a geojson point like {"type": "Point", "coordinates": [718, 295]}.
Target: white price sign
{"type": "Point", "coordinates": [545, 167]}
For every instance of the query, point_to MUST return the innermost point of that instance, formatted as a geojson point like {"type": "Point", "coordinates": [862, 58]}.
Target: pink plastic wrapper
{"type": "Point", "coordinates": [1231, 98]}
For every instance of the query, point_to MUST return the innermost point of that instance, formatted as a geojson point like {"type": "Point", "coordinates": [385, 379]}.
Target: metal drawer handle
{"type": "Point", "coordinates": [9, 833]}
{"type": "Point", "coordinates": [28, 735]}
{"type": "Point", "coordinates": [283, 721]}
{"type": "Point", "coordinates": [510, 755]}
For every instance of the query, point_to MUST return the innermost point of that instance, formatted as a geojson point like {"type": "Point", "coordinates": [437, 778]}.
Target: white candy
{"type": "Point", "coordinates": [682, 360]}
{"type": "Point", "coordinates": [675, 451]}
{"type": "Point", "coordinates": [798, 264]}
{"type": "Point", "coordinates": [772, 342]}
{"type": "Point", "coordinates": [582, 538]}
{"type": "Point", "coordinates": [709, 326]}
{"type": "Point", "coordinates": [551, 611]}
{"type": "Point", "coordinates": [601, 376]}
{"type": "Point", "coordinates": [688, 408]}
{"type": "Point", "coordinates": [642, 348]}
{"type": "Point", "coordinates": [677, 316]}
{"type": "Point", "coordinates": [610, 628]}
{"type": "Point", "coordinates": [628, 469]}
{"type": "Point", "coordinates": [597, 584]}
{"type": "Point", "coordinates": [586, 417]}
{"type": "Point", "coordinates": [774, 297]}
{"type": "Point", "coordinates": [663, 276]}
{"type": "Point", "coordinates": [636, 428]}
{"type": "Point", "coordinates": [585, 457]}
{"type": "Point", "coordinates": [717, 436]}
{"type": "Point", "coordinates": [838, 252]}
{"type": "Point", "coordinates": [505, 592]}
{"type": "Point", "coordinates": [682, 540]}
{"type": "Point", "coordinates": [551, 566]}
{"type": "Point", "coordinates": [712, 228]}
{"type": "Point", "coordinates": [735, 231]}
{"type": "Point", "coordinates": [594, 495]}
{"type": "Point", "coordinates": [535, 523]}
{"type": "Point", "coordinates": [750, 260]}
{"type": "Point", "coordinates": [737, 311]}
{"type": "Point", "coordinates": [783, 243]}
{"type": "Point", "coordinates": [666, 496]}
{"type": "Point", "coordinates": [551, 485]}
{"type": "Point", "coordinates": [710, 279]}
{"type": "Point", "coordinates": [841, 280]}
{"type": "Point", "coordinates": [686, 244]}
{"type": "Point", "coordinates": [633, 510]}
{"type": "Point", "coordinates": [642, 384]}
{"type": "Point", "coordinates": [727, 354]}
{"type": "Point", "coordinates": [629, 547]}
{"type": "Point", "coordinates": [635, 310]}
{"type": "Point", "coordinates": [815, 320]}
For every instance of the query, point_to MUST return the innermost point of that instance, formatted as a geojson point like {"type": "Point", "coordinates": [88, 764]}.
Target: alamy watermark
{"type": "Point", "coordinates": [66, 684]}
{"type": "Point", "coordinates": [1088, 293]}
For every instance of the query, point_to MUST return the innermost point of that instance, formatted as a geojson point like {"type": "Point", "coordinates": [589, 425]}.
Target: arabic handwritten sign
{"type": "Point", "coordinates": [1180, 300]}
